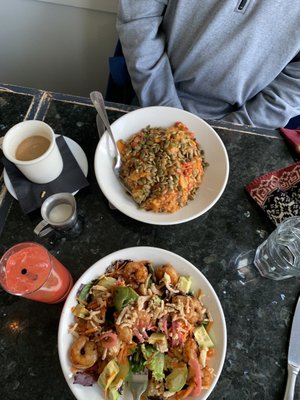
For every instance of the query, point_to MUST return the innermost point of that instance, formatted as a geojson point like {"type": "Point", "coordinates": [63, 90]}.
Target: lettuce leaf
{"type": "Point", "coordinates": [137, 361]}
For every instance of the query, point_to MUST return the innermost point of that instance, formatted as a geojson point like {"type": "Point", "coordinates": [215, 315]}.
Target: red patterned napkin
{"type": "Point", "coordinates": [278, 192]}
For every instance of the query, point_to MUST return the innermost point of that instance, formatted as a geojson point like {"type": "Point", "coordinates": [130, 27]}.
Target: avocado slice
{"type": "Point", "coordinates": [112, 391]}
{"type": "Point", "coordinates": [113, 394]}
{"type": "Point", "coordinates": [184, 284]}
{"type": "Point", "coordinates": [177, 379]}
{"type": "Point", "coordinates": [107, 282]}
{"type": "Point", "coordinates": [109, 373]}
{"type": "Point", "coordinates": [159, 341]}
{"type": "Point", "coordinates": [80, 311]}
{"type": "Point", "coordinates": [202, 337]}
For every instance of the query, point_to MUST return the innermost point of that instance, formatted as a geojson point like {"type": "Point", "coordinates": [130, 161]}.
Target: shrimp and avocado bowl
{"type": "Point", "coordinates": [139, 315]}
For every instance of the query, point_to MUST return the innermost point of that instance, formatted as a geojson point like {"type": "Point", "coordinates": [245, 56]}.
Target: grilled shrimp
{"type": "Point", "coordinates": [193, 309]}
{"type": "Point", "coordinates": [135, 273]}
{"type": "Point", "coordinates": [83, 353]}
{"type": "Point", "coordinates": [124, 333]}
{"type": "Point", "coordinates": [167, 269]}
{"type": "Point", "coordinates": [190, 350]}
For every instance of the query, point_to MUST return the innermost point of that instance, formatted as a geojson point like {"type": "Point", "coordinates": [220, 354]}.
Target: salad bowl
{"type": "Point", "coordinates": [157, 257]}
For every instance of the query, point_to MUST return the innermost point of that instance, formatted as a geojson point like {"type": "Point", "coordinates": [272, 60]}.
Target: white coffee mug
{"type": "Point", "coordinates": [32, 147]}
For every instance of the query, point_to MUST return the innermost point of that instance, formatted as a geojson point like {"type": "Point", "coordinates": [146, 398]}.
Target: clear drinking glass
{"type": "Point", "coordinates": [278, 257]}
{"type": "Point", "coordinates": [29, 270]}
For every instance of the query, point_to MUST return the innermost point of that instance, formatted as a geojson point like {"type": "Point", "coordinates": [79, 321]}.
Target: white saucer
{"type": "Point", "coordinates": [77, 152]}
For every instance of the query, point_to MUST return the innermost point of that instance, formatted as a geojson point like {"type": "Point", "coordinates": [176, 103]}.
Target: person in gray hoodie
{"type": "Point", "coordinates": [235, 60]}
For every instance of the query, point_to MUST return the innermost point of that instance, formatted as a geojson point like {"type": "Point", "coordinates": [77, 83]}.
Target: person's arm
{"type": "Point", "coordinates": [274, 106]}
{"type": "Point", "coordinates": [143, 44]}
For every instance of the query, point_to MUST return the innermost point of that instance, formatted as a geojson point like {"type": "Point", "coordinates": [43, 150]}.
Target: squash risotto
{"type": "Point", "coordinates": [162, 167]}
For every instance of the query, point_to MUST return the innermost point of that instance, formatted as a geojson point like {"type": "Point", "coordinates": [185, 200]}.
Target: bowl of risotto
{"type": "Point", "coordinates": [142, 309]}
{"type": "Point", "coordinates": [174, 165]}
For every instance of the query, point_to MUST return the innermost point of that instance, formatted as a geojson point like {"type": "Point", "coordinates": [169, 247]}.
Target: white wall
{"type": "Point", "coordinates": [59, 45]}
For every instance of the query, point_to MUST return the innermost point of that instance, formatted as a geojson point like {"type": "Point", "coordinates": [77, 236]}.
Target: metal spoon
{"type": "Point", "coordinates": [98, 101]}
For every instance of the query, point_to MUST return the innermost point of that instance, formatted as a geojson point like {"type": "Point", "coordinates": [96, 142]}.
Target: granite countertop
{"type": "Point", "coordinates": [258, 311]}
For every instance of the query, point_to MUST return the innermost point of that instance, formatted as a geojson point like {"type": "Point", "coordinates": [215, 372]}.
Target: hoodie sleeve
{"type": "Point", "coordinates": [143, 44]}
{"type": "Point", "coordinates": [276, 104]}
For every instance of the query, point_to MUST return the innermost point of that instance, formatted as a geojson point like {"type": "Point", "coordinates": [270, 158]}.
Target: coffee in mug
{"type": "Point", "coordinates": [32, 147]}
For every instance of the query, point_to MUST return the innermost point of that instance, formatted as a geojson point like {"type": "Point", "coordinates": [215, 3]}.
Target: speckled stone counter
{"type": "Point", "coordinates": [258, 311]}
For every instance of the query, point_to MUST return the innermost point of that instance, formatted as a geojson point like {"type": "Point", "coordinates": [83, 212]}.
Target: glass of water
{"type": "Point", "coordinates": [278, 257]}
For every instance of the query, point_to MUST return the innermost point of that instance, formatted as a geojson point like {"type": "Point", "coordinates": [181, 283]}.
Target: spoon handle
{"type": "Point", "coordinates": [98, 101]}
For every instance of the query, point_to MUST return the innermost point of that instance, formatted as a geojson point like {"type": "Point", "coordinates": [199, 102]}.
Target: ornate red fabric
{"type": "Point", "coordinates": [278, 192]}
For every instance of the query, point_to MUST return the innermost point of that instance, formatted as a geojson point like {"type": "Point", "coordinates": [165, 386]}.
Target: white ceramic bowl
{"type": "Point", "coordinates": [214, 181]}
{"type": "Point", "coordinates": [157, 257]}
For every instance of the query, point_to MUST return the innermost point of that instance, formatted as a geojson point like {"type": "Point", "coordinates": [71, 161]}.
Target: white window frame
{"type": "Point", "coordinates": [97, 5]}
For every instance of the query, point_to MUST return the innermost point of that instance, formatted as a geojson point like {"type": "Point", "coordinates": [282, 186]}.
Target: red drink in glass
{"type": "Point", "coordinates": [29, 270]}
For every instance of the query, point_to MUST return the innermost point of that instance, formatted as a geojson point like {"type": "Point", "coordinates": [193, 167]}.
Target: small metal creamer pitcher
{"type": "Point", "coordinates": [59, 213]}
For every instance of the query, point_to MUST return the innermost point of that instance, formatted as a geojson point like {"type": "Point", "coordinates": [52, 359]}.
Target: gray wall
{"type": "Point", "coordinates": [56, 47]}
